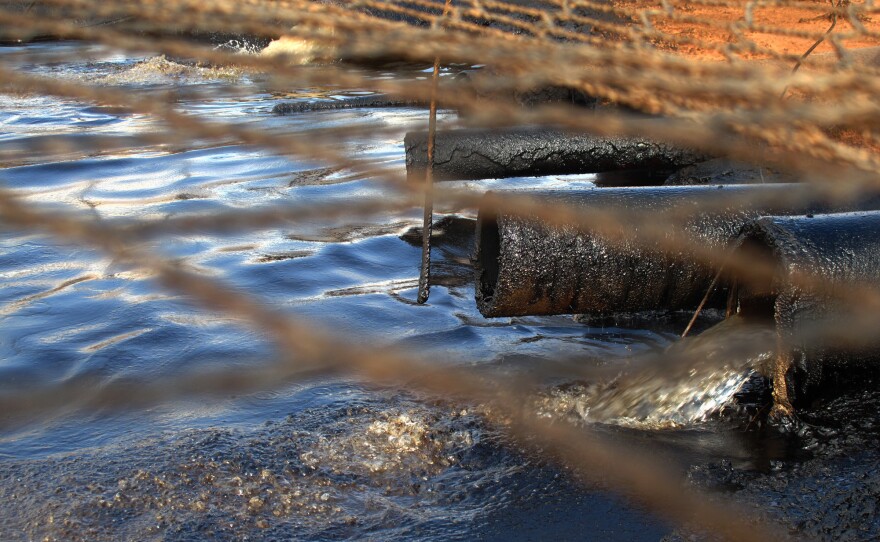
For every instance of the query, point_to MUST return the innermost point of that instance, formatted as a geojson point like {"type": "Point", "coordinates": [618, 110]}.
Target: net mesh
{"type": "Point", "coordinates": [791, 84]}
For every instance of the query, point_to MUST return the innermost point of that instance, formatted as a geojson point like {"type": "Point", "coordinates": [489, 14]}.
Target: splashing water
{"type": "Point", "coordinates": [240, 45]}
{"type": "Point", "coordinates": [160, 70]}
{"type": "Point", "coordinates": [693, 380]}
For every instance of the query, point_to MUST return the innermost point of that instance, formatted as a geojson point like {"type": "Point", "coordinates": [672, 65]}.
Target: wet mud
{"type": "Point", "coordinates": [825, 484]}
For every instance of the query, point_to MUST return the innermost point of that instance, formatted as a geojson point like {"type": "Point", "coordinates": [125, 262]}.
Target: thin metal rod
{"type": "Point", "coordinates": [428, 218]}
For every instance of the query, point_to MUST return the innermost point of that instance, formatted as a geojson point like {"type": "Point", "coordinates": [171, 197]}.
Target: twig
{"type": "Point", "coordinates": [813, 47]}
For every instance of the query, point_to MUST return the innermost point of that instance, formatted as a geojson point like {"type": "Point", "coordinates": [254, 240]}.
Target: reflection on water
{"type": "Point", "coordinates": [325, 459]}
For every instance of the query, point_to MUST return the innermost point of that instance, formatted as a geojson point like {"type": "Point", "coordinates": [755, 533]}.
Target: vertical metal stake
{"type": "Point", "coordinates": [425, 272]}
{"type": "Point", "coordinates": [428, 220]}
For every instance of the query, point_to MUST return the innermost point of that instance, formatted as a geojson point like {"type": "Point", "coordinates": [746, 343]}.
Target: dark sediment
{"type": "Point", "coordinates": [522, 152]}
{"type": "Point", "coordinates": [528, 266]}
{"type": "Point", "coordinates": [821, 483]}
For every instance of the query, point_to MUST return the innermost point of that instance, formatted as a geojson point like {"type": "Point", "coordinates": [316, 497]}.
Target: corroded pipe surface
{"type": "Point", "coordinates": [529, 266]}
{"type": "Point", "coordinates": [496, 154]}
{"type": "Point", "coordinates": [824, 322]}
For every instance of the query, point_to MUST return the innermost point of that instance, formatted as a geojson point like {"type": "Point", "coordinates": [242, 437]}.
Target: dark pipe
{"type": "Point", "coordinates": [531, 98]}
{"type": "Point", "coordinates": [521, 152]}
{"type": "Point", "coordinates": [527, 266]}
{"type": "Point", "coordinates": [356, 102]}
{"type": "Point", "coordinates": [821, 322]}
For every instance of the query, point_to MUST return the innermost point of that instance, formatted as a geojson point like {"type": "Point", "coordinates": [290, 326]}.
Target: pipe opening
{"type": "Point", "coordinates": [757, 292]}
{"type": "Point", "coordinates": [487, 256]}
{"type": "Point", "coordinates": [632, 177]}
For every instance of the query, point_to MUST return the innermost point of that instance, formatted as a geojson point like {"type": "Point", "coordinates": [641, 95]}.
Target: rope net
{"type": "Point", "coordinates": [788, 84]}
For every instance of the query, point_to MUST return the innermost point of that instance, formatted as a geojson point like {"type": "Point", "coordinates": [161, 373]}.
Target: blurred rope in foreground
{"type": "Point", "coordinates": [709, 83]}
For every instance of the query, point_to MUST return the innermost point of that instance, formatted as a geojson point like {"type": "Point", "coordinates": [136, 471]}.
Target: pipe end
{"type": "Point", "coordinates": [486, 261]}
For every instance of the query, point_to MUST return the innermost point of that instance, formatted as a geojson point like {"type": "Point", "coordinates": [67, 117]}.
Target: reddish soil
{"type": "Point", "coordinates": [715, 26]}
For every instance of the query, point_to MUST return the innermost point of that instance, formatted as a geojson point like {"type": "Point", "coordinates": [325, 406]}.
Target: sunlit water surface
{"type": "Point", "coordinates": [325, 458]}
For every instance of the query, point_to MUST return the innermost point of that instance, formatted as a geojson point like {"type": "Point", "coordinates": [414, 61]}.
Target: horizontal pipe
{"type": "Point", "coordinates": [354, 102]}
{"type": "Point", "coordinates": [529, 266]}
{"type": "Point", "coordinates": [818, 317]}
{"type": "Point", "coordinates": [529, 98]}
{"type": "Point", "coordinates": [525, 152]}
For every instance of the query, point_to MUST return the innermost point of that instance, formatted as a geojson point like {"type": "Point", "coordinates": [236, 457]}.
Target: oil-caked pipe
{"type": "Point", "coordinates": [523, 152]}
{"type": "Point", "coordinates": [822, 292]}
{"type": "Point", "coordinates": [649, 256]}
{"type": "Point", "coordinates": [353, 102]}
